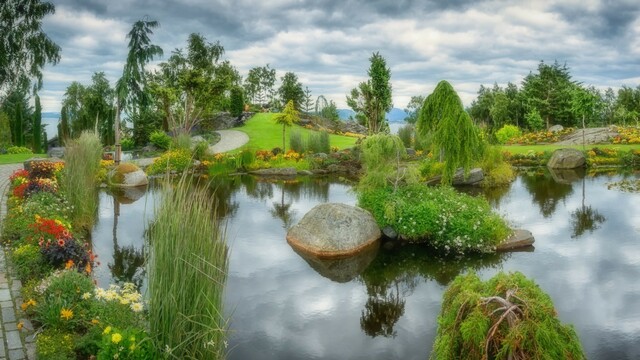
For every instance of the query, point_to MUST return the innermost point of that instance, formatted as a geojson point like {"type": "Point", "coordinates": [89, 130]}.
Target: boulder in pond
{"type": "Point", "coordinates": [334, 231]}
{"type": "Point", "coordinates": [345, 269]}
{"type": "Point", "coordinates": [476, 175]}
{"type": "Point", "coordinates": [519, 239]}
{"type": "Point", "coordinates": [566, 159]}
{"type": "Point", "coordinates": [275, 172]}
{"type": "Point", "coordinates": [127, 175]}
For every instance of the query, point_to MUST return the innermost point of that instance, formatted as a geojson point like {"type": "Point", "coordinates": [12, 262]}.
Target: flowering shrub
{"type": "Point", "coordinates": [174, 160]}
{"type": "Point", "coordinates": [627, 135]}
{"type": "Point", "coordinates": [126, 344]}
{"type": "Point", "coordinates": [539, 137]}
{"type": "Point", "coordinates": [18, 177]}
{"type": "Point", "coordinates": [18, 150]}
{"type": "Point", "coordinates": [292, 155]}
{"type": "Point", "coordinates": [45, 169]}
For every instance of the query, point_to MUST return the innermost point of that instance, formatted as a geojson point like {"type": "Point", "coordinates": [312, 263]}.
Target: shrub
{"type": "Point", "coordinates": [381, 155]}
{"type": "Point", "coordinates": [496, 170]}
{"type": "Point", "coordinates": [200, 150]}
{"type": "Point", "coordinates": [18, 150]}
{"type": "Point", "coordinates": [439, 216]}
{"type": "Point", "coordinates": [28, 262]}
{"type": "Point", "coordinates": [247, 158]}
{"type": "Point", "coordinates": [54, 345]}
{"type": "Point", "coordinates": [506, 317]}
{"type": "Point", "coordinates": [60, 304]}
{"type": "Point", "coordinates": [318, 142]}
{"type": "Point", "coordinates": [405, 133]}
{"type": "Point", "coordinates": [174, 160]}
{"type": "Point", "coordinates": [295, 141]}
{"type": "Point", "coordinates": [182, 141]}
{"type": "Point", "coordinates": [160, 140]}
{"type": "Point", "coordinates": [127, 144]}
{"type": "Point", "coordinates": [507, 133]}
{"type": "Point", "coordinates": [534, 120]}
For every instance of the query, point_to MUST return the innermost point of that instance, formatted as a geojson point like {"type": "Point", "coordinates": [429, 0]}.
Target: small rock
{"type": "Point", "coordinates": [275, 172]}
{"type": "Point", "coordinates": [389, 233]}
{"type": "Point", "coordinates": [556, 128]}
{"type": "Point", "coordinates": [305, 172]}
{"type": "Point", "coordinates": [519, 239]}
{"type": "Point", "coordinates": [56, 152]}
{"type": "Point", "coordinates": [411, 152]}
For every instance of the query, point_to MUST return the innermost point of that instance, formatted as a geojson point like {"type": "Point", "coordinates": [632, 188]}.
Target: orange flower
{"type": "Point", "coordinates": [68, 265]}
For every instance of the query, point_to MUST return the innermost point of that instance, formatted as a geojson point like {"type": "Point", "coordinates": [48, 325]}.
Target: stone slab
{"type": "Point", "coordinates": [519, 239]}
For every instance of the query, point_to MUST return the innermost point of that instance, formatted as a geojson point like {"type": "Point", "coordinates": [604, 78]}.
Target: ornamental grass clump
{"type": "Point", "coordinates": [506, 317]}
{"type": "Point", "coordinates": [437, 216]}
{"type": "Point", "coordinates": [82, 164]}
{"type": "Point", "coordinates": [187, 265]}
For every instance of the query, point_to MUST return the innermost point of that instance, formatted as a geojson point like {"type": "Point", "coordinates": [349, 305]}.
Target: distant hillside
{"type": "Point", "coordinates": [395, 115]}
{"type": "Point", "coordinates": [51, 115]}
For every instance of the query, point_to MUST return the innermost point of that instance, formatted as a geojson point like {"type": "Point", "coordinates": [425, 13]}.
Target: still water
{"type": "Point", "coordinates": [281, 306]}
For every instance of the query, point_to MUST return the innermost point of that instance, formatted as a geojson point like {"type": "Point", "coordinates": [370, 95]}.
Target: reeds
{"type": "Point", "coordinates": [187, 265]}
{"type": "Point", "coordinates": [82, 163]}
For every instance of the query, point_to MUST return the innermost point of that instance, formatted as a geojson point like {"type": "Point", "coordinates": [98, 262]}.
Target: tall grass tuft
{"type": "Point", "coordinates": [405, 134]}
{"type": "Point", "coordinates": [296, 143]}
{"type": "Point", "coordinates": [187, 265]}
{"type": "Point", "coordinates": [82, 163]}
{"type": "Point", "coordinates": [318, 142]}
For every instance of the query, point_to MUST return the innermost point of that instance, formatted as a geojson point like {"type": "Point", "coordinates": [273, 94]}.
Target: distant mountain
{"type": "Point", "coordinates": [51, 115]}
{"type": "Point", "coordinates": [394, 115]}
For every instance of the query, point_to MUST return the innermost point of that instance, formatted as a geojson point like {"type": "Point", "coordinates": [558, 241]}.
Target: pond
{"type": "Point", "coordinates": [281, 306]}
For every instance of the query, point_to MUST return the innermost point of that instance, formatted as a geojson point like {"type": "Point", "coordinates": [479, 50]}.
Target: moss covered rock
{"type": "Point", "coordinates": [506, 317]}
{"type": "Point", "coordinates": [127, 175]}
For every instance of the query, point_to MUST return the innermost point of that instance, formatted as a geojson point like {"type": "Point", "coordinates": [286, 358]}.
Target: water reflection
{"type": "Point", "coordinates": [545, 191]}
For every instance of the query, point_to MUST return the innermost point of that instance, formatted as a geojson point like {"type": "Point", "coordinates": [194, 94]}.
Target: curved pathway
{"type": "Point", "coordinates": [12, 344]}
{"type": "Point", "coordinates": [229, 140]}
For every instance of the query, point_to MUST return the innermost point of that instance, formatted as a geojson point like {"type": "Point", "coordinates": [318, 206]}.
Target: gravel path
{"type": "Point", "coordinates": [229, 140]}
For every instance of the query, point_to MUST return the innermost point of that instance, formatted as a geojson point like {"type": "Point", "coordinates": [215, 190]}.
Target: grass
{"type": "Point", "coordinates": [523, 149]}
{"type": "Point", "coordinates": [265, 134]}
{"type": "Point", "coordinates": [79, 183]}
{"type": "Point", "coordinates": [18, 158]}
{"type": "Point", "coordinates": [187, 265]}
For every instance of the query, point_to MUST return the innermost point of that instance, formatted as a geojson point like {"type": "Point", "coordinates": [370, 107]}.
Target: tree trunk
{"type": "Point", "coordinates": [116, 134]}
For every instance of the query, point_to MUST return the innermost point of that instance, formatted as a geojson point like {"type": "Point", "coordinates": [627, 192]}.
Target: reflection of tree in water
{"type": "Point", "coordinates": [545, 191]}
{"type": "Point", "coordinates": [128, 262]}
{"type": "Point", "coordinates": [585, 218]}
{"type": "Point", "coordinates": [283, 211]}
{"type": "Point", "coordinates": [493, 194]}
{"type": "Point", "coordinates": [393, 275]}
{"type": "Point", "coordinates": [222, 190]}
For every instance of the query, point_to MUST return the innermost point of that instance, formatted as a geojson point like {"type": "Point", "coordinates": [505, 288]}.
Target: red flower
{"type": "Point", "coordinates": [60, 242]}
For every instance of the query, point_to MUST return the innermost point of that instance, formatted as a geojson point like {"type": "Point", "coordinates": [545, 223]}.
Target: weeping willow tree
{"type": "Point", "coordinates": [455, 138]}
{"type": "Point", "coordinates": [506, 317]}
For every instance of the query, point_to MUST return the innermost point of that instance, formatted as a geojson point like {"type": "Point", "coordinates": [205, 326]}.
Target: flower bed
{"type": "Point", "coordinates": [73, 317]}
{"type": "Point", "coordinates": [540, 137]}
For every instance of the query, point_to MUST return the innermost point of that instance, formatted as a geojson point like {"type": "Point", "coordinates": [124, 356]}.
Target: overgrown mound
{"type": "Point", "coordinates": [507, 317]}
{"type": "Point", "coordinates": [438, 216]}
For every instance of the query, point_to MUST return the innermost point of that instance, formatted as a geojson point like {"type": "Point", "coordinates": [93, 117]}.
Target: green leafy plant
{"type": "Point", "coordinates": [318, 142]}
{"type": "Point", "coordinates": [18, 150]}
{"type": "Point", "coordinates": [507, 133]}
{"type": "Point", "coordinates": [126, 344]}
{"type": "Point", "coordinates": [29, 263]}
{"type": "Point", "coordinates": [381, 156]}
{"type": "Point", "coordinates": [405, 133]}
{"type": "Point", "coordinates": [200, 150]}
{"type": "Point", "coordinates": [173, 160]}
{"type": "Point", "coordinates": [55, 345]}
{"type": "Point", "coordinates": [127, 144]}
{"type": "Point", "coordinates": [160, 140]}
{"type": "Point", "coordinates": [296, 143]}
{"type": "Point", "coordinates": [506, 317]}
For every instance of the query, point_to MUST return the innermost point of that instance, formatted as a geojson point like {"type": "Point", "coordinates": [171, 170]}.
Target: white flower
{"type": "Point", "coordinates": [136, 306]}
{"type": "Point", "coordinates": [86, 296]}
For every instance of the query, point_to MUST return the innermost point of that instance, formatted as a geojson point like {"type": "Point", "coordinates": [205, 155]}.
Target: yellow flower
{"type": "Point", "coordinates": [86, 296]}
{"type": "Point", "coordinates": [20, 325]}
{"type": "Point", "coordinates": [116, 338]}
{"type": "Point", "coordinates": [66, 314]}
{"type": "Point", "coordinates": [107, 330]}
{"type": "Point", "coordinates": [95, 321]}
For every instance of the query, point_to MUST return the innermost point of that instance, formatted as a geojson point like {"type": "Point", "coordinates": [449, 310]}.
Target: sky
{"type": "Point", "coordinates": [328, 43]}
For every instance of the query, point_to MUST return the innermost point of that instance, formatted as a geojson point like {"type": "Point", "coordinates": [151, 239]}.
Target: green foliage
{"type": "Point", "coordinates": [291, 90]}
{"type": "Point", "coordinates": [549, 92]}
{"type": "Point", "coordinates": [53, 344]}
{"type": "Point", "coordinates": [455, 138]}
{"type": "Point", "coordinates": [534, 120]}
{"type": "Point", "coordinates": [127, 144]}
{"type": "Point", "coordinates": [187, 271]}
{"type": "Point", "coordinates": [413, 109]}
{"type": "Point", "coordinates": [506, 317]}
{"type": "Point", "coordinates": [181, 141]}
{"type": "Point", "coordinates": [200, 150]}
{"type": "Point", "coordinates": [330, 112]}
{"type": "Point", "coordinates": [439, 216]}
{"type": "Point", "coordinates": [126, 344]}
{"type": "Point", "coordinates": [381, 156]}
{"type": "Point", "coordinates": [259, 84]}
{"type": "Point", "coordinates": [497, 172]}
{"type": "Point", "coordinates": [507, 133]}
{"type": "Point", "coordinates": [288, 117]}
{"type": "Point", "coordinates": [82, 164]}
{"type": "Point", "coordinates": [372, 99]}
{"type": "Point", "coordinates": [61, 291]}
{"type": "Point", "coordinates": [29, 263]}
{"type": "Point", "coordinates": [19, 150]}
{"type": "Point", "coordinates": [5, 131]}
{"type": "Point", "coordinates": [173, 160]}
{"type": "Point", "coordinates": [405, 133]}
{"type": "Point", "coordinates": [296, 142]}
{"type": "Point", "coordinates": [318, 142]}
{"type": "Point", "coordinates": [236, 106]}
{"type": "Point", "coordinates": [24, 47]}
{"type": "Point", "coordinates": [160, 140]}
{"type": "Point", "coordinates": [36, 131]}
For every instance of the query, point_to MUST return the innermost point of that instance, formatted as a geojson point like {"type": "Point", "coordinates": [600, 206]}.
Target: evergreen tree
{"type": "Point", "coordinates": [5, 131]}
{"type": "Point", "coordinates": [237, 101]}
{"type": "Point", "coordinates": [308, 101]}
{"type": "Point", "coordinates": [37, 127]}
{"type": "Point", "coordinates": [455, 138]}
{"type": "Point", "coordinates": [288, 117]}
{"type": "Point", "coordinates": [549, 92]}
{"type": "Point", "coordinates": [372, 100]}
{"type": "Point", "coordinates": [64, 131]}
{"type": "Point", "coordinates": [291, 90]}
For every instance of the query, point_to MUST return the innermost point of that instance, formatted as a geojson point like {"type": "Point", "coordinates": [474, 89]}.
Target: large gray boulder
{"type": "Point", "coordinates": [127, 175]}
{"type": "Point", "coordinates": [556, 128]}
{"type": "Point", "coordinates": [334, 231]}
{"type": "Point", "coordinates": [475, 177]}
{"type": "Point", "coordinates": [566, 159]}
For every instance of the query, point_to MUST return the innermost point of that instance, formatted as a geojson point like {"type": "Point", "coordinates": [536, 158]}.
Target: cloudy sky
{"type": "Point", "coordinates": [327, 43]}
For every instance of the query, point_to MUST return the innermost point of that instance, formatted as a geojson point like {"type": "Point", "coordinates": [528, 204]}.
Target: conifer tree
{"type": "Point", "coordinates": [37, 127]}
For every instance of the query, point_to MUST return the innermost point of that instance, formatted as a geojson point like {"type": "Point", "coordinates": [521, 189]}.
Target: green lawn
{"type": "Point", "coordinates": [18, 158]}
{"type": "Point", "coordinates": [265, 134]}
{"type": "Point", "coordinates": [522, 149]}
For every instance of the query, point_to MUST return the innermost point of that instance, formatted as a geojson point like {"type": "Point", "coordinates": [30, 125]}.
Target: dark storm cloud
{"type": "Point", "coordinates": [608, 20]}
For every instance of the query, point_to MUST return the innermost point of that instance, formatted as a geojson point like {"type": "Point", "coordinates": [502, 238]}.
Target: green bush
{"type": "Point", "coordinates": [29, 263]}
{"type": "Point", "coordinates": [182, 141]}
{"type": "Point", "coordinates": [247, 158]}
{"type": "Point", "coordinates": [422, 142]}
{"type": "Point", "coordinates": [497, 171]}
{"type": "Point", "coordinates": [381, 155]}
{"type": "Point", "coordinates": [127, 144]}
{"type": "Point", "coordinates": [60, 304]}
{"type": "Point", "coordinates": [439, 216]}
{"type": "Point", "coordinates": [318, 142]}
{"type": "Point", "coordinates": [405, 133]}
{"type": "Point", "coordinates": [18, 150]}
{"type": "Point", "coordinates": [54, 345]}
{"type": "Point", "coordinates": [126, 344]}
{"type": "Point", "coordinates": [173, 160]}
{"type": "Point", "coordinates": [160, 140]}
{"type": "Point", "coordinates": [506, 317]}
{"type": "Point", "coordinates": [295, 142]}
{"type": "Point", "coordinates": [507, 133]}
{"type": "Point", "coordinates": [200, 150]}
